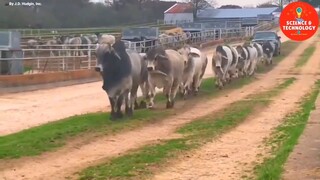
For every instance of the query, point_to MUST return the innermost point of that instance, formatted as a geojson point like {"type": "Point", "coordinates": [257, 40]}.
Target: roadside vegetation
{"type": "Point", "coordinates": [142, 162]}
{"type": "Point", "coordinates": [305, 56]}
{"type": "Point", "coordinates": [285, 137]}
{"type": "Point", "coordinates": [49, 137]}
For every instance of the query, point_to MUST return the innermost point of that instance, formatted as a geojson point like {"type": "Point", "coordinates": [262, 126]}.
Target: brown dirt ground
{"type": "Point", "coordinates": [66, 161]}
{"type": "Point", "coordinates": [234, 154]}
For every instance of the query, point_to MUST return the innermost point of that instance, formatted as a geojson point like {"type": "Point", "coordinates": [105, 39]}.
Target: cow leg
{"type": "Point", "coordinates": [145, 90]}
{"type": "Point", "coordinates": [168, 90]}
{"type": "Point", "coordinates": [173, 93]}
{"type": "Point", "coordinates": [118, 106]}
{"type": "Point", "coordinates": [129, 103]}
{"type": "Point", "coordinates": [113, 112]}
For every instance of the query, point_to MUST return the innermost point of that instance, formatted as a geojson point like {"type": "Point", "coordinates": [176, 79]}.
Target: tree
{"type": "Point", "coordinates": [230, 6]}
{"type": "Point", "coordinates": [201, 4]}
{"type": "Point", "coordinates": [266, 5]}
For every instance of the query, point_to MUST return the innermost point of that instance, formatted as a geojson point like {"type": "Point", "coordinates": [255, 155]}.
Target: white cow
{"type": "Point", "coordinates": [221, 63]}
{"type": "Point", "coordinates": [195, 65]}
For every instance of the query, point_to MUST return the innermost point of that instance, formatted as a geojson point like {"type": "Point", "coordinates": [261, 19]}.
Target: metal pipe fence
{"type": "Point", "coordinates": [44, 58]}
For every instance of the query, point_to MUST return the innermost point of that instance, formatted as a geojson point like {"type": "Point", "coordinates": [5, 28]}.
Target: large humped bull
{"type": "Point", "coordinates": [195, 66]}
{"type": "Point", "coordinates": [165, 71]}
{"type": "Point", "coordinates": [221, 63]}
{"type": "Point", "coordinates": [122, 70]}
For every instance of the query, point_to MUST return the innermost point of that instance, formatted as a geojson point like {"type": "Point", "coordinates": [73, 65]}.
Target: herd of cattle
{"type": "Point", "coordinates": [76, 45]}
{"type": "Point", "coordinates": [171, 69]}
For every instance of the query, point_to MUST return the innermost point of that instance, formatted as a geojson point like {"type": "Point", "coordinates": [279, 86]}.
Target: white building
{"type": "Point", "coordinates": [179, 13]}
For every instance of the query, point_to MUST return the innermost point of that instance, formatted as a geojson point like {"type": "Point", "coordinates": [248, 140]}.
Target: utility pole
{"type": "Point", "coordinates": [281, 5]}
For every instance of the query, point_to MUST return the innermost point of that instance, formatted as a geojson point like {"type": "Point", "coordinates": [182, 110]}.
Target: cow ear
{"type": "Point", "coordinates": [159, 56]}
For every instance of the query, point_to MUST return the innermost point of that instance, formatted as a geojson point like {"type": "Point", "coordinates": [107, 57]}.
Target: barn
{"type": "Point", "coordinates": [179, 13]}
{"type": "Point", "coordinates": [245, 16]}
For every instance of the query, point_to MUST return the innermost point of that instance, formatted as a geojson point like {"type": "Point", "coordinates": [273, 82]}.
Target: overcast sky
{"type": "Point", "coordinates": [236, 2]}
{"type": "Point", "coordinates": [224, 2]}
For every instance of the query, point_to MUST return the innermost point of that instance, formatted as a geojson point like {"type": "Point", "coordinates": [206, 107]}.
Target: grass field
{"type": "Point", "coordinates": [51, 136]}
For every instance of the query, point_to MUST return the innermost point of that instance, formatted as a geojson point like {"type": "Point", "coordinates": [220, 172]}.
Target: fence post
{"type": "Point", "coordinates": [89, 57]}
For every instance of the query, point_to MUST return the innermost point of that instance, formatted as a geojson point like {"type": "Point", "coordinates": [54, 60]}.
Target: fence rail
{"type": "Point", "coordinates": [73, 57]}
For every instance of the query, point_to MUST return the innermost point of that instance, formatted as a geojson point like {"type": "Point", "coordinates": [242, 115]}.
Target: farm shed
{"type": "Point", "coordinates": [179, 13]}
{"type": "Point", "coordinates": [247, 16]}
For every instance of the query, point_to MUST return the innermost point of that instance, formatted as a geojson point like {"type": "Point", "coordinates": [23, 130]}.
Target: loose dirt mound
{"type": "Point", "coordinates": [64, 162]}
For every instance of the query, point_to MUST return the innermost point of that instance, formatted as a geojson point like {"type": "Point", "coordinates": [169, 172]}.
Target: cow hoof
{"type": "Point", "coordinates": [119, 115]}
{"type": "Point", "coordinates": [136, 105]}
{"type": "Point", "coordinates": [129, 112]}
{"type": "Point", "coordinates": [168, 105]}
{"type": "Point", "coordinates": [143, 105]}
{"type": "Point", "coordinates": [113, 116]}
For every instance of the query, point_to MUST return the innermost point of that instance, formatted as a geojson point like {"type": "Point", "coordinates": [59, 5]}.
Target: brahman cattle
{"type": "Point", "coordinates": [268, 51]}
{"type": "Point", "coordinates": [165, 71]}
{"type": "Point", "coordinates": [233, 70]}
{"type": "Point", "coordinates": [252, 58]}
{"type": "Point", "coordinates": [195, 66]}
{"type": "Point", "coordinates": [221, 63]}
{"type": "Point", "coordinates": [122, 71]}
{"type": "Point", "coordinates": [242, 61]}
{"type": "Point", "coordinates": [259, 51]}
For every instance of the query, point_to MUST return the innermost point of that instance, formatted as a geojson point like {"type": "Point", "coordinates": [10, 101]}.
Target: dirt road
{"type": "Point", "coordinates": [70, 159]}
{"type": "Point", "coordinates": [235, 152]}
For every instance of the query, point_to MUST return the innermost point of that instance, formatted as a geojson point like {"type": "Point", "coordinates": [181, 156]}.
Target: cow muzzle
{"type": "Point", "coordinates": [98, 68]}
{"type": "Point", "coordinates": [150, 68]}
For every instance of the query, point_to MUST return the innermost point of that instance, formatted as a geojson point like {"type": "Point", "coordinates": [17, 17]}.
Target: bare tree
{"type": "Point", "coordinates": [201, 4]}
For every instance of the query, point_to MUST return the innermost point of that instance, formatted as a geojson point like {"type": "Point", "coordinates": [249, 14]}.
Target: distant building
{"type": "Point", "coordinates": [246, 16]}
{"type": "Point", "coordinates": [179, 13]}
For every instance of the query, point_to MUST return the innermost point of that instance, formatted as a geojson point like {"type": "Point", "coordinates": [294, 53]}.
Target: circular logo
{"type": "Point", "coordinates": [299, 21]}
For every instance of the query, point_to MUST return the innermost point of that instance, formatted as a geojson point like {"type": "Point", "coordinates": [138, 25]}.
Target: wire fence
{"type": "Point", "coordinates": [44, 58]}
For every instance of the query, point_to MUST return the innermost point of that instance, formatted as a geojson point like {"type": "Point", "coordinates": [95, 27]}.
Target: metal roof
{"type": "Point", "coordinates": [234, 13]}
{"type": "Point", "coordinates": [180, 8]}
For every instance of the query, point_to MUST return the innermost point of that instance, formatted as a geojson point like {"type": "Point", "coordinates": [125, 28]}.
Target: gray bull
{"type": "Point", "coordinates": [195, 66]}
{"type": "Point", "coordinates": [122, 72]}
{"type": "Point", "coordinates": [165, 71]}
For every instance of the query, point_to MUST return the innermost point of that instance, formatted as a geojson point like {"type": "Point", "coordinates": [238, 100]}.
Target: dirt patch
{"type": "Point", "coordinates": [66, 161]}
{"type": "Point", "coordinates": [234, 153]}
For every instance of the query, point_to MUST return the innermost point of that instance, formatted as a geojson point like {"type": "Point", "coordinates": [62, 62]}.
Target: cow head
{"type": "Point", "coordinates": [153, 56]}
{"type": "Point", "coordinates": [105, 52]}
{"type": "Point", "coordinates": [185, 52]}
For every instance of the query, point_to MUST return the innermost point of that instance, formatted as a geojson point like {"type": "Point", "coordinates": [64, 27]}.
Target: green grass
{"type": "Point", "coordinates": [305, 56]}
{"type": "Point", "coordinates": [285, 137]}
{"type": "Point", "coordinates": [49, 137]}
{"type": "Point", "coordinates": [142, 163]}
